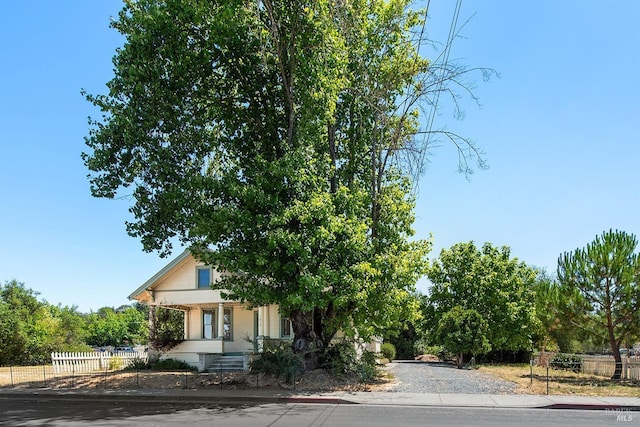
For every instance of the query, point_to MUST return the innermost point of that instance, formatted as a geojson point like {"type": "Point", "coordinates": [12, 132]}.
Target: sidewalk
{"type": "Point", "coordinates": [257, 397]}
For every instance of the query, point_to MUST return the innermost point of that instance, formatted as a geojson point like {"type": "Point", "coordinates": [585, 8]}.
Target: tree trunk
{"type": "Point", "coordinates": [305, 340]}
{"type": "Point", "coordinates": [617, 373]}
{"type": "Point", "coordinates": [615, 348]}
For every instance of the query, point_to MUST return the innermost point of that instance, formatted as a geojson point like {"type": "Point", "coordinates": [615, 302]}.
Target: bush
{"type": "Point", "coordinates": [172, 365]}
{"type": "Point", "coordinates": [388, 351]}
{"type": "Point", "coordinates": [159, 365]}
{"type": "Point", "coordinates": [278, 360]}
{"type": "Point", "coordinates": [341, 359]}
{"type": "Point", "coordinates": [424, 347]}
{"type": "Point", "coordinates": [116, 363]}
{"type": "Point", "coordinates": [567, 362]}
{"type": "Point", "coordinates": [138, 364]}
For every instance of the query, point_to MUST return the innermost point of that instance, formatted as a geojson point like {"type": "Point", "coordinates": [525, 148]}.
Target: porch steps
{"type": "Point", "coordinates": [227, 363]}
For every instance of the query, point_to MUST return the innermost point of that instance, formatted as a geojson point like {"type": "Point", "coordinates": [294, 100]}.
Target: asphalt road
{"type": "Point", "coordinates": [68, 412]}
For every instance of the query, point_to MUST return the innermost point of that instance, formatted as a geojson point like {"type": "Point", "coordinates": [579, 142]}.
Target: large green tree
{"type": "Point", "coordinates": [463, 331]}
{"type": "Point", "coordinates": [603, 281]}
{"type": "Point", "coordinates": [276, 139]}
{"type": "Point", "coordinates": [108, 327]}
{"type": "Point", "coordinates": [30, 329]}
{"type": "Point", "coordinates": [491, 282]}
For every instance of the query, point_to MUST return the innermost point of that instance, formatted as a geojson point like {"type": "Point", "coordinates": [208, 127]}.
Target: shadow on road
{"type": "Point", "coordinates": [21, 411]}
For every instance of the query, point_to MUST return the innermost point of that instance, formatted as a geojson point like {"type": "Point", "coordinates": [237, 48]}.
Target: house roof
{"type": "Point", "coordinates": [166, 269]}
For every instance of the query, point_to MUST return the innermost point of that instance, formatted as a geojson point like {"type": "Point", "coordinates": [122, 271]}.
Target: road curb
{"type": "Point", "coordinates": [595, 407]}
{"type": "Point", "coordinates": [185, 396]}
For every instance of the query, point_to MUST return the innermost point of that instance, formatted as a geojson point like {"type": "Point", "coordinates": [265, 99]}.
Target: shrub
{"type": "Point", "coordinates": [159, 365]}
{"type": "Point", "coordinates": [138, 364]}
{"type": "Point", "coordinates": [172, 365]}
{"type": "Point", "coordinates": [366, 372]}
{"type": "Point", "coordinates": [278, 360]}
{"type": "Point", "coordinates": [388, 350]}
{"type": "Point", "coordinates": [342, 360]}
{"type": "Point", "coordinates": [116, 363]}
{"type": "Point", "coordinates": [423, 346]}
{"type": "Point", "coordinates": [369, 357]}
{"type": "Point", "coordinates": [567, 362]}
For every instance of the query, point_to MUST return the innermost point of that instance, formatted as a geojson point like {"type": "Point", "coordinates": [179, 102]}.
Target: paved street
{"type": "Point", "coordinates": [53, 412]}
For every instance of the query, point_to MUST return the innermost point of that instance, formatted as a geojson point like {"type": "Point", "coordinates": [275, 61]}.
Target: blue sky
{"type": "Point", "coordinates": [560, 129]}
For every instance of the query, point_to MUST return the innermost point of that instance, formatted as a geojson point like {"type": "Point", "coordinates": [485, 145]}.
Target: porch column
{"type": "Point", "coordinates": [260, 320]}
{"type": "Point", "coordinates": [221, 320]}
{"type": "Point", "coordinates": [152, 322]}
{"type": "Point", "coordinates": [187, 313]}
{"type": "Point", "coordinates": [267, 326]}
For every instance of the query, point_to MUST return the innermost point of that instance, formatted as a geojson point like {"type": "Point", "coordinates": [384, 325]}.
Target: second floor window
{"type": "Point", "coordinates": [204, 277]}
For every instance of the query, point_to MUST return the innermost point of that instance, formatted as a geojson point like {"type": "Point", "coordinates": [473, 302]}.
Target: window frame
{"type": "Point", "coordinates": [212, 325]}
{"type": "Point", "coordinates": [285, 323]}
{"type": "Point", "coordinates": [208, 270]}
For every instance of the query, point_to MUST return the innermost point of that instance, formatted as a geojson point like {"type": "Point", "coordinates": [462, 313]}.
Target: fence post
{"type": "Point", "coordinates": [44, 376]}
{"type": "Point", "coordinates": [531, 370]}
{"type": "Point", "coordinates": [547, 379]}
{"type": "Point", "coordinates": [11, 375]}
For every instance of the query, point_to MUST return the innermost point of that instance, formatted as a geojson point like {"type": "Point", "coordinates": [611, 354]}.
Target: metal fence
{"type": "Point", "coordinates": [44, 376]}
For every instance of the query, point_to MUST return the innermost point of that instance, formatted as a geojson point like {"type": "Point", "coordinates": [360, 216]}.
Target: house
{"type": "Point", "coordinates": [216, 330]}
{"type": "Point", "coordinates": [213, 326]}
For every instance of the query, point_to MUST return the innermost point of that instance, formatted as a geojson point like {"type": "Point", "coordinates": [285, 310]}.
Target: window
{"type": "Point", "coordinates": [285, 327]}
{"type": "Point", "coordinates": [208, 325]}
{"type": "Point", "coordinates": [204, 277]}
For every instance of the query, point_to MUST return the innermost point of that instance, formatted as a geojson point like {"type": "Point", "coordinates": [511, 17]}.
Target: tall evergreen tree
{"type": "Point", "coordinates": [604, 282]}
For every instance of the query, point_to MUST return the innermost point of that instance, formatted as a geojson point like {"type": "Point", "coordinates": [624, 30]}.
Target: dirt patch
{"type": "Point", "coordinates": [428, 358]}
{"type": "Point", "coordinates": [318, 380]}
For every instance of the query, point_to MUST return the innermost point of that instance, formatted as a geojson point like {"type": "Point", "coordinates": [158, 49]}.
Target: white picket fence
{"type": "Point", "coordinates": [93, 361]}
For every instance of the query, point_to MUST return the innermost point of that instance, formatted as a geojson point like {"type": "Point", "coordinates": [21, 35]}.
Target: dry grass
{"type": "Point", "coordinates": [561, 382]}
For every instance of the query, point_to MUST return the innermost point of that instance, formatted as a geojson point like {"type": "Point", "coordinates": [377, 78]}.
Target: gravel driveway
{"type": "Point", "coordinates": [414, 376]}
